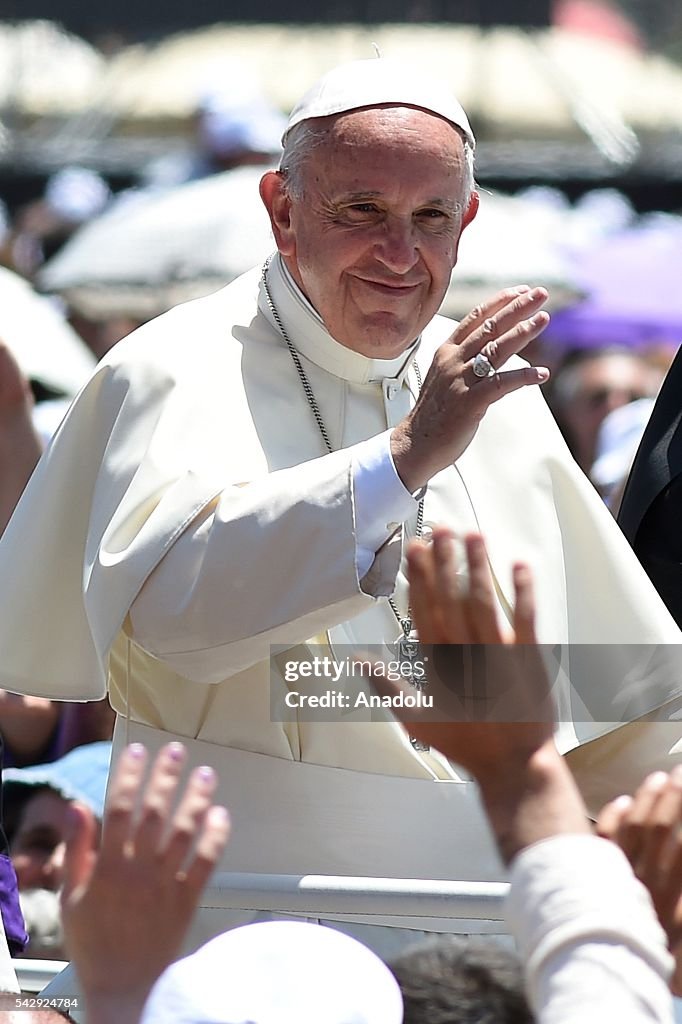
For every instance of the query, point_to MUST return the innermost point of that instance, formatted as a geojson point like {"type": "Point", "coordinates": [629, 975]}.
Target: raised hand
{"type": "Point", "coordinates": [127, 909]}
{"type": "Point", "coordinates": [497, 722]}
{"type": "Point", "coordinates": [648, 829]}
{"type": "Point", "coordinates": [454, 397]}
{"type": "Point", "coordinates": [492, 700]}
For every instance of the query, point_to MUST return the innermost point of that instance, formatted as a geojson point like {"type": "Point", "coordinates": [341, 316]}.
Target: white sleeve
{"type": "Point", "coordinates": [382, 502]}
{"type": "Point", "coordinates": [588, 936]}
{"type": "Point", "coordinates": [272, 561]}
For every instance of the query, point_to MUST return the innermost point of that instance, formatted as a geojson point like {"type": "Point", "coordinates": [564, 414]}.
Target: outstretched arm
{"type": "Point", "coordinates": [591, 946]}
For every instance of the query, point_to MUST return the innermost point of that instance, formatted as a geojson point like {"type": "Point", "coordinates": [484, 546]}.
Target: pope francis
{"type": "Point", "coordinates": [238, 478]}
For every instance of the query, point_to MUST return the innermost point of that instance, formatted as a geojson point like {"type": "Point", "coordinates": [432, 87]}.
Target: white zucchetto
{"type": "Point", "coordinates": [371, 83]}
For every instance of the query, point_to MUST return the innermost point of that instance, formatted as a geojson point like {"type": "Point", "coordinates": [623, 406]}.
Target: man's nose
{"type": "Point", "coordinates": [398, 247]}
{"type": "Point", "coordinates": [41, 870]}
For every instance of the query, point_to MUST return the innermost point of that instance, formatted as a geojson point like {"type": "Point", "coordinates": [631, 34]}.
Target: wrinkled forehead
{"type": "Point", "coordinates": [387, 136]}
{"type": "Point", "coordinates": [405, 122]}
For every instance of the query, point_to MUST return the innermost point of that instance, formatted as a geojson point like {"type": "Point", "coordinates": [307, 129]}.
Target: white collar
{"type": "Point", "coordinates": [311, 338]}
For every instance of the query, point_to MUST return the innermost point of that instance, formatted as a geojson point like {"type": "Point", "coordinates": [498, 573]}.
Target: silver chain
{"type": "Point", "coordinates": [406, 622]}
{"type": "Point", "coordinates": [406, 643]}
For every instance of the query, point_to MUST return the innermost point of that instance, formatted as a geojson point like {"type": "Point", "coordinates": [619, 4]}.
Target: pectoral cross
{"type": "Point", "coordinates": [408, 649]}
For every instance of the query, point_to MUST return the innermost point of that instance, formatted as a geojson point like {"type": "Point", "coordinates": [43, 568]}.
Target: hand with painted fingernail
{"type": "Point", "coordinates": [126, 909]}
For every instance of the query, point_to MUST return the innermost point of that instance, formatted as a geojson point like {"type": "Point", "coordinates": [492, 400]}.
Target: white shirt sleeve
{"type": "Point", "coordinates": [275, 561]}
{"type": "Point", "coordinates": [588, 936]}
{"type": "Point", "coordinates": [382, 502]}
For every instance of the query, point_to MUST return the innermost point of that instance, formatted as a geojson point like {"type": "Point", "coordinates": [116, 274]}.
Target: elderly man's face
{"type": "Point", "coordinates": [373, 239]}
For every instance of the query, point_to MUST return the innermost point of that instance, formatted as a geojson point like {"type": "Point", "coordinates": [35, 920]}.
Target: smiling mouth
{"type": "Point", "coordinates": [385, 288]}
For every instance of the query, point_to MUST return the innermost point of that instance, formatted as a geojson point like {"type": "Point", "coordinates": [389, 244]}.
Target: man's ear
{"type": "Point", "coordinates": [472, 209]}
{"type": "Point", "coordinates": [275, 196]}
{"type": "Point", "coordinates": [469, 214]}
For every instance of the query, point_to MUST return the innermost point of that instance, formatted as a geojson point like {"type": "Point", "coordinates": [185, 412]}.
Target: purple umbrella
{"type": "Point", "coordinates": [633, 280]}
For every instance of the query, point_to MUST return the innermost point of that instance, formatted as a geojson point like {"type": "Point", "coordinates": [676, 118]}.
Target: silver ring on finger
{"type": "Point", "coordinates": [482, 366]}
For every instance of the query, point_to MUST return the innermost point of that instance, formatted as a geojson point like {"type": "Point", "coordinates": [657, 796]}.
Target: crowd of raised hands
{"type": "Point", "coordinates": [127, 907]}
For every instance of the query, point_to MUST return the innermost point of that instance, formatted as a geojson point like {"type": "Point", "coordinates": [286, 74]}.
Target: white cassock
{"type": "Point", "coordinates": [186, 518]}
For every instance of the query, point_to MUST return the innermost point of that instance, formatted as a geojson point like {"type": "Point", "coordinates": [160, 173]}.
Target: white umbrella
{"type": "Point", "coordinates": [46, 70]}
{"type": "Point", "coordinates": [535, 237]}
{"type": "Point", "coordinates": [47, 349]}
{"type": "Point", "coordinates": [153, 249]}
{"type": "Point", "coordinates": [513, 240]}
{"type": "Point", "coordinates": [551, 81]}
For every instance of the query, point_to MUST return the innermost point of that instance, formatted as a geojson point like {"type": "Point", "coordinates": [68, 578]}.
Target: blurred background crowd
{"type": "Point", "coordinates": [131, 145]}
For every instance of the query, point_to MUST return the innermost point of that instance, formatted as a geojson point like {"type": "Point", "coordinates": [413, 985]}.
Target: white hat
{"type": "Point", "coordinates": [227, 125]}
{"type": "Point", "coordinates": [618, 440]}
{"type": "Point", "coordinates": [77, 193]}
{"type": "Point", "coordinates": [370, 83]}
{"type": "Point", "coordinates": [277, 972]}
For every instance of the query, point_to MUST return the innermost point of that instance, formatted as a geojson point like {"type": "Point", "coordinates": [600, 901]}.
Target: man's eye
{"type": "Point", "coordinates": [432, 214]}
{"type": "Point", "coordinates": [362, 209]}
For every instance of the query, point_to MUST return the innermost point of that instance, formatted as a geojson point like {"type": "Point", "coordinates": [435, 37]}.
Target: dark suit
{"type": "Point", "coordinates": [651, 511]}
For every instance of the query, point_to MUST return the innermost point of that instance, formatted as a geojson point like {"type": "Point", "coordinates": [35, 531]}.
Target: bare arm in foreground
{"type": "Point", "coordinates": [591, 946]}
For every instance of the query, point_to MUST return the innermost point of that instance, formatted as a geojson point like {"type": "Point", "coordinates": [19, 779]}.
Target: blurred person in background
{"type": "Point", "coordinates": [231, 129]}
{"type": "Point", "coordinates": [71, 197]}
{"type": "Point", "coordinates": [27, 724]}
{"type": "Point", "coordinates": [13, 937]}
{"type": "Point", "coordinates": [617, 441]}
{"type": "Point", "coordinates": [37, 801]}
{"type": "Point", "coordinates": [20, 443]}
{"type": "Point", "coordinates": [591, 383]}
{"type": "Point", "coordinates": [34, 729]}
{"type": "Point", "coordinates": [651, 510]}
{"type": "Point", "coordinates": [101, 334]}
